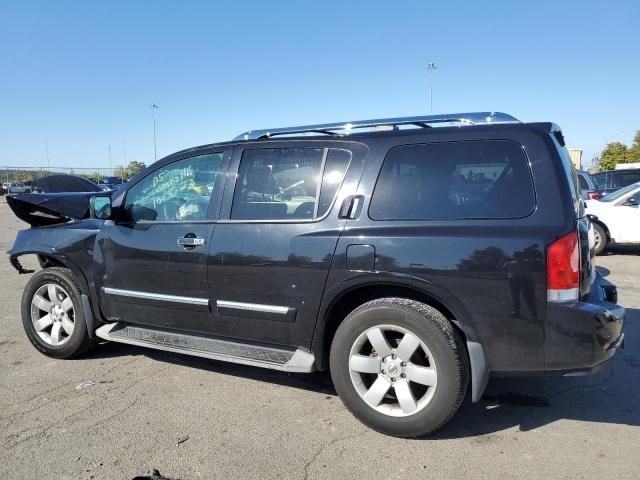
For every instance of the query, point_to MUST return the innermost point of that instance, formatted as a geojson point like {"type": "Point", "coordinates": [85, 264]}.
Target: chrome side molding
{"type": "Point", "coordinates": [156, 296]}
{"type": "Point", "coordinates": [253, 307]}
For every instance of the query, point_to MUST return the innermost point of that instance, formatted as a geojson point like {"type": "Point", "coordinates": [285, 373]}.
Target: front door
{"type": "Point", "coordinates": [274, 243]}
{"type": "Point", "coordinates": [152, 259]}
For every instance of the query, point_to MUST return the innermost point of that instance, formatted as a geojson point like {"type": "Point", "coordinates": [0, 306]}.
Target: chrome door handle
{"type": "Point", "coordinates": [191, 241]}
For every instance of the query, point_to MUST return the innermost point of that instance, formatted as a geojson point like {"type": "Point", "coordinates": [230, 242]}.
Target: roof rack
{"type": "Point", "coordinates": [474, 118]}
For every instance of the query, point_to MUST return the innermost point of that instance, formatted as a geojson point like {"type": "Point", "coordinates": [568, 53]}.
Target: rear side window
{"type": "Point", "coordinates": [288, 183]}
{"type": "Point", "coordinates": [626, 178]}
{"type": "Point", "coordinates": [472, 179]}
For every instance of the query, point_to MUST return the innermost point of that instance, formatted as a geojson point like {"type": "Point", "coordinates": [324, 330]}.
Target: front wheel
{"type": "Point", "coordinates": [53, 315]}
{"type": "Point", "coordinates": [399, 366]}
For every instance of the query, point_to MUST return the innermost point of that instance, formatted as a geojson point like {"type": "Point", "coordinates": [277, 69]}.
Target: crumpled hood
{"type": "Point", "coordinates": [42, 209]}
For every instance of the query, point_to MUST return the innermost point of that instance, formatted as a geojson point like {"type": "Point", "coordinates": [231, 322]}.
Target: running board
{"type": "Point", "coordinates": [206, 347]}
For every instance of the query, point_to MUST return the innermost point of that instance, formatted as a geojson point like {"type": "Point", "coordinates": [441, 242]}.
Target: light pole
{"type": "Point", "coordinates": [154, 107]}
{"type": "Point", "coordinates": [430, 68]}
{"type": "Point", "coordinates": [48, 161]}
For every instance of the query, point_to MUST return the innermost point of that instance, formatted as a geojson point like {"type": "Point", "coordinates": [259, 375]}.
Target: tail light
{"type": "Point", "coordinates": [594, 195]}
{"type": "Point", "coordinates": [563, 269]}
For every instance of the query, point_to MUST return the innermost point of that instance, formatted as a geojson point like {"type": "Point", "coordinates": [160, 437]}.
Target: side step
{"type": "Point", "coordinates": [216, 349]}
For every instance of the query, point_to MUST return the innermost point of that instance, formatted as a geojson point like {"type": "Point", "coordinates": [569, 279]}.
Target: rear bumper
{"type": "Point", "coordinates": [583, 335]}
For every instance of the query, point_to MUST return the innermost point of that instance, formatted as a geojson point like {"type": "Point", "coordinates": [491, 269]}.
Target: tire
{"type": "Point", "coordinates": [440, 359]}
{"type": "Point", "coordinates": [63, 334]}
{"type": "Point", "coordinates": [601, 238]}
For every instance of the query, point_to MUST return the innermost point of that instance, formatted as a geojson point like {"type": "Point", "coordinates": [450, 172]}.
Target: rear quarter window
{"type": "Point", "coordinates": [454, 180]}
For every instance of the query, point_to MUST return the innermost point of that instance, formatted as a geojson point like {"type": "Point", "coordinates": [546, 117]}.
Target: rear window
{"type": "Point", "coordinates": [471, 179]}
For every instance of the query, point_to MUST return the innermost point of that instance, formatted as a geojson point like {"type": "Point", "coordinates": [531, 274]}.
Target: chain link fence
{"type": "Point", "coordinates": [17, 178]}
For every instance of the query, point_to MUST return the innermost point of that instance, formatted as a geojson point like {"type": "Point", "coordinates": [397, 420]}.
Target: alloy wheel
{"type": "Point", "coordinates": [392, 370]}
{"type": "Point", "coordinates": [52, 314]}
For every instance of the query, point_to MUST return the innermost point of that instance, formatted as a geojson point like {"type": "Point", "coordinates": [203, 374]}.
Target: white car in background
{"type": "Point", "coordinates": [17, 188]}
{"type": "Point", "coordinates": [618, 217]}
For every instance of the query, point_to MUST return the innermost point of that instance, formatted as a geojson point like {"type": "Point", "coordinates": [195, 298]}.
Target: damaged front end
{"type": "Point", "coordinates": [61, 233]}
{"type": "Point", "coordinates": [45, 209]}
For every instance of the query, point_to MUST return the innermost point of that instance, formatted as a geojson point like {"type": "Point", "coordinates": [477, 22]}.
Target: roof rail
{"type": "Point", "coordinates": [474, 118]}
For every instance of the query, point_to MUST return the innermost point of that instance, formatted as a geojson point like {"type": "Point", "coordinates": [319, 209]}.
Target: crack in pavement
{"type": "Point", "coordinates": [323, 448]}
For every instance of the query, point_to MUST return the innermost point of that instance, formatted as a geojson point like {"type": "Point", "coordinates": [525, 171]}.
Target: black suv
{"type": "Point", "coordinates": [413, 257]}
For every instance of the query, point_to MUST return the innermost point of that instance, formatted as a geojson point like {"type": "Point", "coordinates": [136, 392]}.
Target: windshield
{"type": "Point", "coordinates": [612, 197]}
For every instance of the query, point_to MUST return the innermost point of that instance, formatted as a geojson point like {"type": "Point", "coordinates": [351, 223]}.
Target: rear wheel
{"type": "Point", "coordinates": [53, 314]}
{"type": "Point", "coordinates": [399, 366]}
{"type": "Point", "coordinates": [601, 238]}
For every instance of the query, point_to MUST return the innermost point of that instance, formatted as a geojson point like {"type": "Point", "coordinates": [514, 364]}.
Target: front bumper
{"type": "Point", "coordinates": [583, 335]}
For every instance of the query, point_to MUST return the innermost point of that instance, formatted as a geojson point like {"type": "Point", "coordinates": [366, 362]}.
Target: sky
{"type": "Point", "coordinates": [78, 77]}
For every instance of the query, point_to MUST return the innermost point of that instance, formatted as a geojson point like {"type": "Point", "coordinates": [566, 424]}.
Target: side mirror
{"type": "Point", "coordinates": [631, 202]}
{"type": "Point", "coordinates": [100, 207]}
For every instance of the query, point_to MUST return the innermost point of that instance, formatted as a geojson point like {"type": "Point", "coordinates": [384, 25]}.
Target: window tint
{"type": "Point", "coordinates": [282, 183]}
{"type": "Point", "coordinates": [474, 179]}
{"type": "Point", "coordinates": [627, 178]}
{"type": "Point", "coordinates": [179, 191]}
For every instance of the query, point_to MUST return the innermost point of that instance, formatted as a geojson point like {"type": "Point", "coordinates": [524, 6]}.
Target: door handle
{"type": "Point", "coordinates": [189, 241]}
{"type": "Point", "coordinates": [350, 208]}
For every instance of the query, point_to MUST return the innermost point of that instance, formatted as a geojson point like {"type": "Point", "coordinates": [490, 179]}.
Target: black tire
{"type": "Point", "coordinates": [604, 239]}
{"type": "Point", "coordinates": [441, 338]}
{"type": "Point", "coordinates": [78, 342]}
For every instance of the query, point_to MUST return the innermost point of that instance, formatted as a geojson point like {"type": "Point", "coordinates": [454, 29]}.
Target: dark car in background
{"type": "Point", "coordinates": [589, 190]}
{"type": "Point", "coordinates": [413, 260]}
{"type": "Point", "coordinates": [612, 180]}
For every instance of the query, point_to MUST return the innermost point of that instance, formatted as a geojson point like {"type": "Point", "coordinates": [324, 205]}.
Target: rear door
{"type": "Point", "coordinates": [273, 246]}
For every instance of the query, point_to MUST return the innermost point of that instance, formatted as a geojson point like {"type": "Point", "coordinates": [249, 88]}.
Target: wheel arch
{"type": "Point", "coordinates": [604, 226]}
{"type": "Point", "coordinates": [346, 296]}
{"type": "Point", "coordinates": [348, 299]}
{"type": "Point", "coordinates": [51, 257]}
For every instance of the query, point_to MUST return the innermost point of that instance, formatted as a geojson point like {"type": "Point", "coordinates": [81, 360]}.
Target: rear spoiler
{"type": "Point", "coordinates": [553, 129]}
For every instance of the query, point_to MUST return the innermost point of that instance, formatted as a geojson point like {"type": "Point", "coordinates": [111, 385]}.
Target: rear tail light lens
{"type": "Point", "coordinates": [563, 269]}
{"type": "Point", "coordinates": [594, 195]}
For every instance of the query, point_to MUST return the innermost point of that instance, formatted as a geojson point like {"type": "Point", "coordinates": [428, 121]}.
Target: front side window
{"type": "Point", "coordinates": [179, 191]}
{"type": "Point", "coordinates": [473, 179]}
{"type": "Point", "coordinates": [288, 183]}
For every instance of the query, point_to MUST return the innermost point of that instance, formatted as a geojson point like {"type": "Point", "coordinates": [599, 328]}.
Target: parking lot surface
{"type": "Point", "coordinates": [122, 410]}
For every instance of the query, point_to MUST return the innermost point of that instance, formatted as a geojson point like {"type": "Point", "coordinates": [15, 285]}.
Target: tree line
{"type": "Point", "coordinates": [618, 153]}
